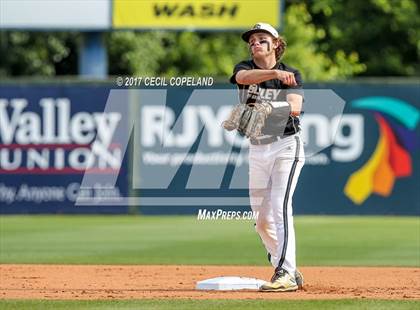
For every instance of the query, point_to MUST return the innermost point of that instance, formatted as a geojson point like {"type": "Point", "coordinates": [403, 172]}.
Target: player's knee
{"type": "Point", "coordinates": [262, 225]}
{"type": "Point", "coordinates": [257, 197]}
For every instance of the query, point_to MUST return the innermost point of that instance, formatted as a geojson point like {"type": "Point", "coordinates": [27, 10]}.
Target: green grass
{"type": "Point", "coordinates": [352, 304]}
{"type": "Point", "coordinates": [351, 241]}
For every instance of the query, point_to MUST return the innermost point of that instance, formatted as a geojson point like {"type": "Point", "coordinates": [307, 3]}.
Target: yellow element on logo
{"type": "Point", "coordinates": [203, 14]}
{"type": "Point", "coordinates": [375, 176]}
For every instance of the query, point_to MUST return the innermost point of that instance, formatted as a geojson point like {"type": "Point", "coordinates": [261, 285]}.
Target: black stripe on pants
{"type": "Point", "coordinates": [285, 202]}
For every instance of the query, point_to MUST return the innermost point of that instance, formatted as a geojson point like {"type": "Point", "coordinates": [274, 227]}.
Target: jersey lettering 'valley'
{"type": "Point", "coordinates": [263, 94]}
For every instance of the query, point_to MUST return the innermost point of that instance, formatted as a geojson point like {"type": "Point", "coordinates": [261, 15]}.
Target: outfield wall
{"type": "Point", "coordinates": [46, 136]}
{"type": "Point", "coordinates": [368, 166]}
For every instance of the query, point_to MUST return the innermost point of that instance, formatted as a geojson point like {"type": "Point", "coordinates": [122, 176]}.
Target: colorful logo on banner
{"type": "Point", "coordinates": [391, 158]}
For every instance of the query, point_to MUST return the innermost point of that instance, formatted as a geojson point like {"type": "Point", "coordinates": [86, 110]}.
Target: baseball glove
{"type": "Point", "coordinates": [248, 119]}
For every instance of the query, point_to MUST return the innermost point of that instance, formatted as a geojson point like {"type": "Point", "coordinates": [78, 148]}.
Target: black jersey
{"type": "Point", "coordinates": [270, 90]}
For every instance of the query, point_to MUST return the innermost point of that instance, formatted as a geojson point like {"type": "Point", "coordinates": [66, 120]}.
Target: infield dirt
{"type": "Point", "coordinates": [137, 282]}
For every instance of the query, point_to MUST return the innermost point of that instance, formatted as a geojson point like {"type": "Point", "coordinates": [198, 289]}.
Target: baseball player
{"type": "Point", "coordinates": [276, 157]}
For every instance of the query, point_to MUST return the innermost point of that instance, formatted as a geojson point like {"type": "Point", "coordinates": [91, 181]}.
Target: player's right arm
{"type": "Point", "coordinates": [255, 76]}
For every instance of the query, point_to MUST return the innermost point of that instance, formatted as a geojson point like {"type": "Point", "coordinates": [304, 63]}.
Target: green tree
{"type": "Point", "coordinates": [327, 40]}
{"type": "Point", "coordinates": [215, 54]}
{"type": "Point", "coordinates": [384, 33]}
{"type": "Point", "coordinates": [203, 54]}
{"type": "Point", "coordinates": [304, 52]}
{"type": "Point", "coordinates": [46, 54]}
{"type": "Point", "coordinates": [136, 53]}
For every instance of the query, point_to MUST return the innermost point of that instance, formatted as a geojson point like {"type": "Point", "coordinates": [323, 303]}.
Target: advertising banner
{"type": "Point", "coordinates": [373, 165]}
{"type": "Point", "coordinates": [361, 145]}
{"type": "Point", "coordinates": [67, 149]}
{"type": "Point", "coordinates": [102, 15]}
{"type": "Point", "coordinates": [46, 147]}
{"type": "Point", "coordinates": [57, 14]}
{"type": "Point", "coordinates": [198, 14]}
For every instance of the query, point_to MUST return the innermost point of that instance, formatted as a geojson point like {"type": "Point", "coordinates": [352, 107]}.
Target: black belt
{"type": "Point", "coordinates": [263, 141]}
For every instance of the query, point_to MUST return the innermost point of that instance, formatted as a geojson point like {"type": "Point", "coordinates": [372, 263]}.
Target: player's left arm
{"type": "Point", "coordinates": [295, 95]}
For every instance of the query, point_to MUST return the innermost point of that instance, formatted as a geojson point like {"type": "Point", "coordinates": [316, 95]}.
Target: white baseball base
{"type": "Point", "coordinates": [230, 284]}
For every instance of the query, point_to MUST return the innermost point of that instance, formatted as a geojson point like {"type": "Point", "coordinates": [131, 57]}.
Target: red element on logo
{"type": "Point", "coordinates": [399, 158]}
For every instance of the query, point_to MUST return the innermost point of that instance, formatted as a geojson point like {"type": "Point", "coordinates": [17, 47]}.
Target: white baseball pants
{"type": "Point", "coordinates": [273, 173]}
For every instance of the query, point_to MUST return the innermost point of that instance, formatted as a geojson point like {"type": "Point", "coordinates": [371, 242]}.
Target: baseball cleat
{"type": "Point", "coordinates": [299, 279]}
{"type": "Point", "coordinates": [281, 281]}
{"type": "Point", "coordinates": [298, 275]}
